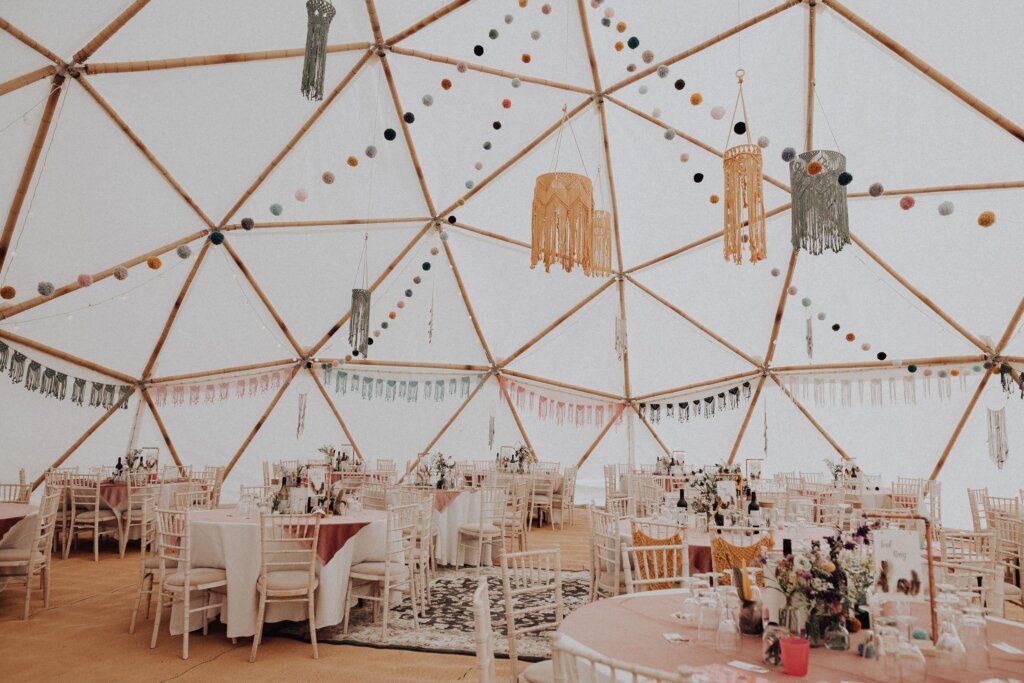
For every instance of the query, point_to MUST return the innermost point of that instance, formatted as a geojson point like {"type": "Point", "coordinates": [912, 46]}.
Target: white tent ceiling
{"type": "Point", "coordinates": [179, 118]}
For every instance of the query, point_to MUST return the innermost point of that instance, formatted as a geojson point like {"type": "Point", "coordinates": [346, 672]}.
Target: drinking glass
{"type": "Point", "coordinates": [975, 641]}
{"type": "Point", "coordinates": [950, 653]}
{"type": "Point", "coordinates": [708, 619]}
{"type": "Point", "coordinates": [727, 639]}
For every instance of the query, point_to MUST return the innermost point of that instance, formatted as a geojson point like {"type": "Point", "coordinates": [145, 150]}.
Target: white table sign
{"type": "Point", "coordinates": [901, 575]}
{"type": "Point", "coordinates": [726, 490]}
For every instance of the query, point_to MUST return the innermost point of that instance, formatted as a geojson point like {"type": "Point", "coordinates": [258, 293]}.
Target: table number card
{"type": "Point", "coordinates": [726, 489]}
{"type": "Point", "coordinates": [898, 563]}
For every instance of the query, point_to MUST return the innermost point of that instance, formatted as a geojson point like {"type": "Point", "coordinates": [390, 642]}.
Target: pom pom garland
{"type": "Point", "coordinates": [647, 56]}
{"type": "Point", "coordinates": [526, 58]}
{"type": "Point", "coordinates": [763, 141]}
{"type": "Point", "coordinates": [478, 50]}
{"type": "Point", "coordinates": [633, 42]}
{"type": "Point", "coordinates": [821, 315]}
{"type": "Point", "coordinates": [911, 368]}
{"type": "Point", "coordinates": [845, 178]}
{"type": "Point", "coordinates": [814, 168]}
{"type": "Point", "coordinates": [775, 272]}
{"type": "Point", "coordinates": [516, 82]}
{"type": "Point", "coordinates": [452, 219]}
{"type": "Point", "coordinates": [248, 223]}
{"type": "Point", "coordinates": [740, 128]}
{"type": "Point", "coordinates": [445, 85]}
{"type": "Point", "coordinates": [662, 71]}
{"type": "Point", "coordinates": [84, 280]}
{"type": "Point", "coordinates": [545, 9]}
{"type": "Point", "coordinates": [876, 190]}
{"type": "Point", "coordinates": [792, 290]}
{"type": "Point", "coordinates": [444, 238]}
{"type": "Point", "coordinates": [352, 161]}
{"type": "Point", "coordinates": [400, 304]}
{"type": "Point", "coordinates": [907, 202]}
{"type": "Point", "coordinates": [680, 84]}
{"type": "Point", "coordinates": [45, 288]}
{"type": "Point", "coordinates": [461, 67]}
{"type": "Point", "coordinates": [684, 157]}
{"type": "Point", "coordinates": [987, 219]}
{"type": "Point", "coordinates": [496, 125]}
{"type": "Point", "coordinates": [184, 251]}
{"type": "Point", "coordinates": [154, 263]}
{"type": "Point", "coordinates": [408, 117]}
{"type": "Point", "coordinates": [535, 34]}
{"type": "Point", "coordinates": [717, 112]}
{"type": "Point", "coordinates": [426, 265]}
{"type": "Point", "coordinates": [881, 355]}
{"type": "Point", "coordinates": [788, 154]}
{"type": "Point", "coordinates": [217, 237]}
{"type": "Point", "coordinates": [850, 337]}
{"type": "Point", "coordinates": [493, 34]}
{"type": "Point", "coordinates": [277, 209]}
{"type": "Point", "coordinates": [946, 208]}
{"type": "Point", "coordinates": [427, 100]}
{"type": "Point", "coordinates": [8, 292]}
{"type": "Point", "coordinates": [698, 177]}
{"type": "Point", "coordinates": [371, 151]}
{"type": "Point", "coordinates": [670, 134]}
{"type": "Point", "coordinates": [643, 90]}
{"type": "Point", "coordinates": [506, 103]}
{"type": "Point", "coordinates": [301, 195]}
{"type": "Point", "coordinates": [806, 301]}
{"type": "Point", "coordinates": [434, 251]}
{"type": "Point", "coordinates": [713, 199]}
{"type": "Point", "coordinates": [120, 273]}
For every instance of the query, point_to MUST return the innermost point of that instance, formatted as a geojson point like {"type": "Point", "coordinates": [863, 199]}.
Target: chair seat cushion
{"type": "Point", "coordinates": [92, 515]}
{"type": "Point", "coordinates": [287, 581]}
{"type": "Point", "coordinates": [375, 569]}
{"type": "Point", "coordinates": [539, 672]}
{"type": "Point", "coordinates": [479, 529]}
{"type": "Point", "coordinates": [198, 576]}
{"type": "Point", "coordinates": [14, 556]}
{"type": "Point", "coordinates": [153, 562]}
{"type": "Point", "coordinates": [541, 498]}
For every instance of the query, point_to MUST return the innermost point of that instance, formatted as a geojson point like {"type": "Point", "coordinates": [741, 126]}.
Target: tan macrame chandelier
{"type": "Point", "coordinates": [602, 261]}
{"type": "Point", "coordinates": [563, 224]}
{"type": "Point", "coordinates": [744, 192]}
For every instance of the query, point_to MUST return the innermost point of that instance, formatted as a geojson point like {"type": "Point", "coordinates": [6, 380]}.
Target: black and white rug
{"type": "Point", "coordinates": [446, 626]}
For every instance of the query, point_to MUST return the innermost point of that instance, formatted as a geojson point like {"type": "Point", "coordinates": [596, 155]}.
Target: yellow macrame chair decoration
{"type": "Point", "coordinates": [661, 568]}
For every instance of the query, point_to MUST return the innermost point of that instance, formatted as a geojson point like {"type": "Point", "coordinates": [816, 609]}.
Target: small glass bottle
{"type": "Point", "coordinates": [771, 643]}
{"type": "Point", "coordinates": [837, 637]}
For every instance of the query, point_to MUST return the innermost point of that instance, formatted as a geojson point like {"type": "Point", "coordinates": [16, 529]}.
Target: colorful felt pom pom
{"type": "Point", "coordinates": [154, 263]}
{"type": "Point", "coordinates": [84, 280]}
{"type": "Point", "coordinates": [7, 292]}
{"type": "Point", "coordinates": [120, 273]}
{"type": "Point", "coordinates": [987, 219]}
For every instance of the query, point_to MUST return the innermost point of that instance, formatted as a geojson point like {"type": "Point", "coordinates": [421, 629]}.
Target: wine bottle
{"type": "Point", "coordinates": [682, 504]}
{"type": "Point", "coordinates": [753, 506]}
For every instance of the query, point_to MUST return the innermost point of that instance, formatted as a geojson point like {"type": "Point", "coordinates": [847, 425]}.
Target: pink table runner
{"type": "Point", "coordinates": [444, 498]}
{"type": "Point", "coordinates": [12, 513]}
{"type": "Point", "coordinates": [114, 493]}
{"type": "Point", "coordinates": [631, 629]}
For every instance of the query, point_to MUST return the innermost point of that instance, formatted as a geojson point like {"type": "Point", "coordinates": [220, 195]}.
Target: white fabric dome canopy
{"type": "Point", "coordinates": [132, 129]}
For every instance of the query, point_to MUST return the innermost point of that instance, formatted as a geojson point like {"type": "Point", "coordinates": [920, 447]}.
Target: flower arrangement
{"type": "Point", "coordinates": [666, 462]}
{"type": "Point", "coordinates": [442, 467]}
{"type": "Point", "coordinates": [835, 469]}
{"type": "Point", "coordinates": [520, 460]}
{"type": "Point", "coordinates": [705, 483]}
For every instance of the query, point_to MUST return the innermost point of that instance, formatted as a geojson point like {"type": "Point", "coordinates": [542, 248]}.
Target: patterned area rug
{"type": "Point", "coordinates": [447, 625]}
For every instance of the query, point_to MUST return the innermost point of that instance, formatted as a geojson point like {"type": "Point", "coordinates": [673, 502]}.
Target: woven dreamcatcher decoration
{"type": "Point", "coordinates": [820, 219]}
{"type": "Point", "coordinates": [359, 318]}
{"type": "Point", "coordinates": [744, 190]}
{"type": "Point", "coordinates": [314, 66]}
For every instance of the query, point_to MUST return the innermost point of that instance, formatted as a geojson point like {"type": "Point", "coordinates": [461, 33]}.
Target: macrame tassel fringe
{"type": "Point", "coordinates": [602, 265]}
{"type": "Point", "coordinates": [998, 449]}
{"type": "Point", "coordinates": [17, 369]}
{"type": "Point", "coordinates": [34, 376]}
{"type": "Point", "coordinates": [301, 425]}
{"type": "Point", "coordinates": [819, 213]}
{"type": "Point", "coordinates": [320, 12]}
{"type": "Point", "coordinates": [78, 392]}
{"type": "Point", "coordinates": [359, 321]}
{"type": "Point", "coordinates": [563, 222]}
{"type": "Point", "coordinates": [744, 190]}
{"type": "Point", "coordinates": [620, 338]}
{"type": "Point", "coordinates": [5, 351]}
{"type": "Point", "coordinates": [809, 336]}
{"type": "Point", "coordinates": [490, 432]}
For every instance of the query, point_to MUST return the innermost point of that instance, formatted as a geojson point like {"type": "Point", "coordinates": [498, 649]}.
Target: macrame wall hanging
{"type": "Point", "coordinates": [820, 219]}
{"type": "Point", "coordinates": [1008, 377]}
{"type": "Point", "coordinates": [359, 318]}
{"type": "Point", "coordinates": [301, 427]}
{"type": "Point", "coordinates": [314, 66]}
{"type": "Point", "coordinates": [744, 190]}
{"type": "Point", "coordinates": [602, 264]}
{"type": "Point", "coordinates": [490, 432]}
{"type": "Point", "coordinates": [998, 449]}
{"type": "Point", "coordinates": [563, 215]}
{"type": "Point", "coordinates": [621, 342]}
{"type": "Point", "coordinates": [809, 337]}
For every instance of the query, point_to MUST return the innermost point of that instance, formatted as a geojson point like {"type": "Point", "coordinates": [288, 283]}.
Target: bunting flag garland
{"type": "Point", "coordinates": [728, 398]}
{"type": "Point", "coordinates": [998, 449]}
{"type": "Point", "coordinates": [891, 387]}
{"type": "Point", "coordinates": [218, 390]}
{"type": "Point", "coordinates": [51, 383]}
{"type": "Point", "coordinates": [563, 408]}
{"type": "Point", "coordinates": [376, 385]}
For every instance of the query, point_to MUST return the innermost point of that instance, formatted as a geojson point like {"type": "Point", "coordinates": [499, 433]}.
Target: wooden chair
{"type": "Point", "coordinates": [263, 495]}
{"type": "Point", "coordinates": [396, 572]}
{"type": "Point", "coordinates": [59, 479]}
{"type": "Point", "coordinates": [386, 465]}
{"type": "Point", "coordinates": [213, 479]}
{"type": "Point", "coordinates": [14, 493]}
{"type": "Point", "coordinates": [173, 536]}
{"type": "Point", "coordinates": [87, 513]}
{"type": "Point", "coordinates": [487, 531]}
{"type": "Point", "coordinates": [612, 493]}
{"type": "Point", "coordinates": [532, 585]}
{"type": "Point", "coordinates": [149, 560]}
{"type": "Point", "coordinates": [515, 519]}
{"type": "Point", "coordinates": [967, 560]}
{"type": "Point", "coordinates": [483, 633]}
{"type": "Point", "coordinates": [738, 547]}
{"type": "Point", "coordinates": [657, 559]}
{"type": "Point", "coordinates": [175, 473]}
{"type": "Point", "coordinates": [1009, 552]}
{"type": "Point", "coordinates": [618, 507]}
{"type": "Point", "coordinates": [24, 564]}
{"type": "Point", "coordinates": [1001, 504]}
{"type": "Point", "coordinates": [542, 501]}
{"type": "Point", "coordinates": [976, 500]}
{"type": "Point", "coordinates": [565, 500]}
{"type": "Point", "coordinates": [139, 489]}
{"type": "Point", "coordinates": [573, 663]}
{"type": "Point", "coordinates": [268, 477]}
{"type": "Point", "coordinates": [374, 496]}
{"type": "Point", "coordinates": [906, 494]}
{"type": "Point", "coordinates": [288, 560]}
{"type": "Point", "coordinates": [607, 577]}
{"type": "Point", "coordinates": [198, 497]}
{"type": "Point", "coordinates": [647, 499]}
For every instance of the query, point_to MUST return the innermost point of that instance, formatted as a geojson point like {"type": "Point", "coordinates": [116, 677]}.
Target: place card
{"type": "Point", "coordinates": [1008, 649]}
{"type": "Point", "coordinates": [745, 666]}
{"type": "Point", "coordinates": [675, 638]}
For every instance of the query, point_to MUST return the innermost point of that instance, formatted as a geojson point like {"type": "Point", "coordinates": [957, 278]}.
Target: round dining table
{"type": "Point", "coordinates": [227, 539]}
{"type": "Point", "coordinates": [632, 628]}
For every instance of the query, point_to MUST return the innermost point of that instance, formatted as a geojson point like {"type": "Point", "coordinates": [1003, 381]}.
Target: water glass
{"type": "Point", "coordinates": [708, 618]}
{"type": "Point", "coordinates": [975, 642]}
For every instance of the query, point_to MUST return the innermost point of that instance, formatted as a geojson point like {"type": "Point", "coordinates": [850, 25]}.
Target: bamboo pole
{"type": "Point", "coordinates": [963, 187]}
{"type": "Point", "coordinates": [161, 169]}
{"type": "Point", "coordinates": [64, 356]}
{"type": "Point", "coordinates": [960, 426]}
{"type": "Point", "coordinates": [699, 243]}
{"type": "Point", "coordinates": [172, 316]}
{"type": "Point", "coordinates": [26, 79]}
{"type": "Point", "coordinates": [643, 73]}
{"type": "Point", "coordinates": [444, 428]}
{"type": "Point", "coordinates": [515, 415]}
{"type": "Point", "coordinates": [585, 28]}
{"type": "Point", "coordinates": [600, 436]}
{"type": "Point", "coordinates": [328, 223]}
{"type": "Point", "coordinates": [440, 59]}
{"type": "Point", "coordinates": [337, 415]}
{"type": "Point", "coordinates": [689, 138]}
{"type": "Point", "coordinates": [746, 420]}
{"type": "Point", "coordinates": [261, 421]}
{"type": "Point", "coordinates": [415, 364]}
{"type": "Point", "coordinates": [770, 353]}
{"type": "Point", "coordinates": [558, 321]}
{"type": "Point", "coordinates": [313, 118]}
{"type": "Point", "coordinates": [916, 292]}
{"type": "Point", "coordinates": [469, 305]}
{"type": "Point", "coordinates": [28, 304]}
{"type": "Point", "coordinates": [810, 418]}
{"type": "Point", "coordinates": [263, 297]}
{"type": "Point", "coordinates": [492, 235]}
{"type": "Point", "coordinates": [876, 365]}
{"type": "Point", "coordinates": [611, 183]}
{"type": "Point", "coordinates": [650, 429]}
{"type": "Point", "coordinates": [809, 116]}
{"type": "Point", "coordinates": [160, 425]}
{"type": "Point", "coordinates": [380, 278]}
{"type": "Point", "coordinates": [80, 440]}
{"type": "Point", "coordinates": [212, 60]}
{"type": "Point", "coordinates": [426, 21]}
{"type": "Point", "coordinates": [28, 171]}
{"type": "Point", "coordinates": [221, 372]}
{"type": "Point", "coordinates": [562, 385]}
{"type": "Point", "coordinates": [682, 314]}
{"type": "Point", "coordinates": [1010, 328]}
{"type": "Point", "coordinates": [110, 29]}
{"type": "Point", "coordinates": [627, 389]}
{"type": "Point", "coordinates": [518, 155]}
{"type": "Point", "coordinates": [922, 66]}
{"type": "Point", "coordinates": [700, 385]}
{"type": "Point", "coordinates": [406, 133]}
{"type": "Point", "coordinates": [23, 37]}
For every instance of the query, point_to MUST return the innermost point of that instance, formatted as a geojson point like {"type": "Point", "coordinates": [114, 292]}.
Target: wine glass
{"type": "Point", "coordinates": [727, 638]}
{"type": "Point", "coordinates": [975, 640]}
{"type": "Point", "coordinates": [708, 620]}
{"type": "Point", "coordinates": [950, 653]}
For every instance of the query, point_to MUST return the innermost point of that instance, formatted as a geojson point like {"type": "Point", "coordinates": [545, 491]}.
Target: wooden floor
{"type": "Point", "coordinates": [83, 635]}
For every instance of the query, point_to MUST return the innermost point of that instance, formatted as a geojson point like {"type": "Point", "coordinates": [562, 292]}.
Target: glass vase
{"type": "Point", "coordinates": [771, 644]}
{"type": "Point", "coordinates": [837, 637]}
{"type": "Point", "coordinates": [814, 630]}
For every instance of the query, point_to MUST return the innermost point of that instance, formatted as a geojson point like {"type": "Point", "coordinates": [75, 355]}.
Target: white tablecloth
{"type": "Point", "coordinates": [225, 539]}
{"type": "Point", "coordinates": [464, 509]}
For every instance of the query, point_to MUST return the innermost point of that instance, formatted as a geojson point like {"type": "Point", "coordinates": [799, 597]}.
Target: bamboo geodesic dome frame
{"type": "Point", "coordinates": [374, 52]}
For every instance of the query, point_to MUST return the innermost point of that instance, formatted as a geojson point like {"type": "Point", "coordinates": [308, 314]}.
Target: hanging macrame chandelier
{"type": "Point", "coordinates": [359, 314]}
{"type": "Point", "coordinates": [564, 221]}
{"type": "Point", "coordinates": [820, 219]}
{"type": "Point", "coordinates": [744, 190]}
{"type": "Point", "coordinates": [314, 66]}
{"type": "Point", "coordinates": [602, 261]}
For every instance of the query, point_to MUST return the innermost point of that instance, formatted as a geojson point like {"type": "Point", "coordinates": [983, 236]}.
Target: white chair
{"type": "Point", "coordinates": [174, 552]}
{"type": "Point", "coordinates": [542, 501]}
{"type": "Point", "coordinates": [532, 585]}
{"type": "Point", "coordinates": [87, 513]}
{"type": "Point", "coordinates": [606, 575]}
{"type": "Point", "coordinates": [483, 634]}
{"type": "Point", "coordinates": [197, 497]}
{"type": "Point", "coordinates": [1009, 553]}
{"type": "Point", "coordinates": [658, 558]}
{"type": "Point", "coordinates": [612, 492]}
{"type": "Point", "coordinates": [14, 493]}
{"type": "Point", "coordinates": [967, 560]}
{"type": "Point", "coordinates": [374, 496]}
{"type": "Point", "coordinates": [565, 500]}
{"type": "Point", "coordinates": [287, 568]}
{"type": "Point", "coordinates": [24, 564]}
{"type": "Point", "coordinates": [515, 519]}
{"type": "Point", "coordinates": [213, 479]}
{"type": "Point", "coordinates": [175, 473]}
{"type": "Point", "coordinates": [976, 500]}
{"type": "Point", "coordinates": [488, 531]}
{"type": "Point", "coordinates": [395, 573]}
{"type": "Point", "coordinates": [573, 663]}
{"type": "Point", "coordinates": [386, 465]}
{"type": "Point", "coordinates": [149, 559]}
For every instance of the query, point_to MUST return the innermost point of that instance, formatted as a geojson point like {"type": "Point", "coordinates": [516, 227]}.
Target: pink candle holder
{"type": "Point", "coordinates": [795, 654]}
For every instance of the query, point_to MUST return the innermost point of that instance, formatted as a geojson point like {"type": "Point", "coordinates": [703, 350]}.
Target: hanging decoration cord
{"type": "Point", "coordinates": [359, 319]}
